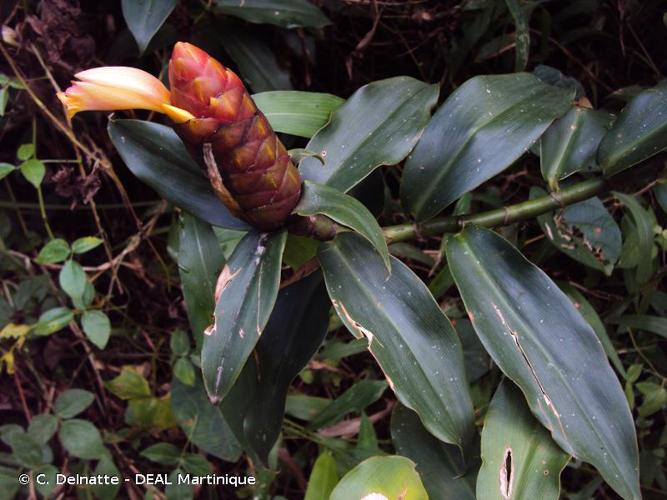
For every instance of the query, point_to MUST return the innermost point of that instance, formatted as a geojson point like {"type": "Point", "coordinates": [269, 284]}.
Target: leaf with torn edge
{"type": "Point", "coordinates": [520, 461]}
{"type": "Point", "coordinates": [245, 294]}
{"type": "Point", "coordinates": [412, 340]}
{"type": "Point", "coordinates": [344, 209]}
{"type": "Point", "coordinates": [538, 339]}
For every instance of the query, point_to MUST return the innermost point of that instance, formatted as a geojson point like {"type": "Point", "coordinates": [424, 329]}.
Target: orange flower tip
{"type": "Point", "coordinates": [113, 88]}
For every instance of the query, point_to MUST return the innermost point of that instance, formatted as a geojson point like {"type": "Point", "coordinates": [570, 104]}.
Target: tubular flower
{"type": "Point", "coordinates": [112, 88]}
{"type": "Point", "coordinates": [248, 166]}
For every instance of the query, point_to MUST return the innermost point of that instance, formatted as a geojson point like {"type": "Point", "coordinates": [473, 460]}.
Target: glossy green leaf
{"type": "Point", "coordinates": [378, 125]}
{"type": "Point", "coordinates": [281, 353]}
{"type": "Point", "coordinates": [439, 464]}
{"type": "Point", "coordinates": [591, 316]}
{"type": "Point", "coordinates": [81, 439]}
{"type": "Point", "coordinates": [639, 132]}
{"type": "Point", "coordinates": [412, 340]}
{"type": "Point", "coordinates": [145, 17]}
{"type": "Point", "coordinates": [355, 399]}
{"type": "Point", "coordinates": [200, 259]}
{"type": "Point", "coordinates": [344, 209]}
{"type": "Point", "coordinates": [539, 340]}
{"type": "Point", "coordinates": [480, 130]}
{"type": "Point", "coordinates": [570, 144]}
{"type": "Point", "coordinates": [297, 113]}
{"type": "Point", "coordinates": [246, 292]}
{"type": "Point", "coordinates": [256, 61]}
{"type": "Point", "coordinates": [157, 156]}
{"type": "Point", "coordinates": [25, 151]}
{"type": "Point", "coordinates": [323, 478]}
{"type": "Point", "coordinates": [54, 251]}
{"type": "Point", "coordinates": [391, 477]}
{"type": "Point", "coordinates": [33, 170]}
{"type": "Point", "coordinates": [644, 231]}
{"type": "Point", "coordinates": [72, 402]}
{"type": "Point", "coordinates": [52, 320]}
{"type": "Point", "coordinates": [97, 327]}
{"type": "Point", "coordinates": [284, 13]}
{"type": "Point", "coordinates": [520, 461]}
{"type": "Point", "coordinates": [203, 424]}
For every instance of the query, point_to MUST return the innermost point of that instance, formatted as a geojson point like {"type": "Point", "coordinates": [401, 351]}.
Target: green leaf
{"type": "Point", "coordinates": [648, 323]}
{"type": "Point", "coordinates": [585, 232]}
{"type": "Point", "coordinates": [179, 343]}
{"type": "Point", "coordinates": [145, 17]}
{"type": "Point", "coordinates": [162, 453]}
{"type": "Point", "coordinates": [26, 450]}
{"type": "Point", "coordinates": [245, 294]}
{"type": "Point", "coordinates": [86, 244]}
{"type": "Point", "coordinates": [284, 13]}
{"type": "Point", "coordinates": [72, 402]}
{"type": "Point", "coordinates": [130, 384]}
{"type": "Point", "coordinates": [196, 465]}
{"type": "Point", "coordinates": [355, 399]}
{"type": "Point", "coordinates": [305, 407]}
{"type": "Point", "coordinates": [97, 327]}
{"type": "Point", "coordinates": [81, 439]}
{"type": "Point", "coordinates": [639, 132]}
{"type": "Point", "coordinates": [570, 144]}
{"type": "Point", "coordinates": [184, 371]}
{"type": "Point", "coordinates": [151, 414]}
{"type": "Point", "coordinates": [519, 458]}
{"type": "Point", "coordinates": [256, 61]}
{"type": "Point", "coordinates": [521, 11]}
{"type": "Point", "coordinates": [52, 320]}
{"type": "Point", "coordinates": [25, 152]}
{"type": "Point", "coordinates": [321, 199]}
{"type": "Point", "coordinates": [33, 170]}
{"type": "Point", "coordinates": [106, 467]}
{"type": "Point", "coordinates": [549, 351]}
{"type": "Point", "coordinates": [4, 98]}
{"type": "Point", "coordinates": [323, 478]}
{"type": "Point", "coordinates": [644, 226]}
{"type": "Point", "coordinates": [158, 157]}
{"type": "Point", "coordinates": [419, 352]}
{"type": "Point", "coordinates": [591, 316]}
{"type": "Point", "coordinates": [281, 353]}
{"type": "Point", "coordinates": [200, 260]}
{"type": "Point", "coordinates": [42, 428]}
{"type": "Point", "coordinates": [56, 250]}
{"type": "Point", "coordinates": [72, 279]}
{"type": "Point", "coordinates": [203, 423]}
{"type": "Point", "coordinates": [297, 113]}
{"type": "Point", "coordinates": [299, 250]}
{"type": "Point", "coordinates": [480, 130]}
{"type": "Point", "coordinates": [655, 398]}
{"type": "Point", "coordinates": [378, 125]}
{"type": "Point", "coordinates": [49, 483]}
{"type": "Point", "coordinates": [6, 169]}
{"type": "Point", "coordinates": [391, 477]}
{"type": "Point", "coordinates": [439, 464]}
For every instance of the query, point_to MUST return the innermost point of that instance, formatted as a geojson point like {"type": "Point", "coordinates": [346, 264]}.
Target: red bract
{"type": "Point", "coordinates": [247, 164]}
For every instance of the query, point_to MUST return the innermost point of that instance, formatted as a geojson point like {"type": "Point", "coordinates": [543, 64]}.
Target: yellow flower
{"type": "Point", "coordinates": [115, 88]}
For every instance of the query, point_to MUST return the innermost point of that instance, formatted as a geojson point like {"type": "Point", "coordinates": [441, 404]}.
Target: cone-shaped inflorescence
{"type": "Point", "coordinates": [247, 164]}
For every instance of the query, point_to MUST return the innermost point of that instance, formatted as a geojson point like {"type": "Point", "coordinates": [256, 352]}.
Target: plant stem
{"type": "Point", "coordinates": [499, 216]}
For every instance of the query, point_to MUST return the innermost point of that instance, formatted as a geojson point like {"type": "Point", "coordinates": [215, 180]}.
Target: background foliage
{"type": "Point", "coordinates": [107, 287]}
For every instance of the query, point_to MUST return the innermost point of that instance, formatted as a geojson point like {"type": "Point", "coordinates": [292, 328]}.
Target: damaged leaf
{"type": "Point", "coordinates": [412, 340]}
{"type": "Point", "coordinates": [245, 294]}
{"type": "Point", "coordinates": [538, 339]}
{"type": "Point", "coordinates": [520, 461]}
